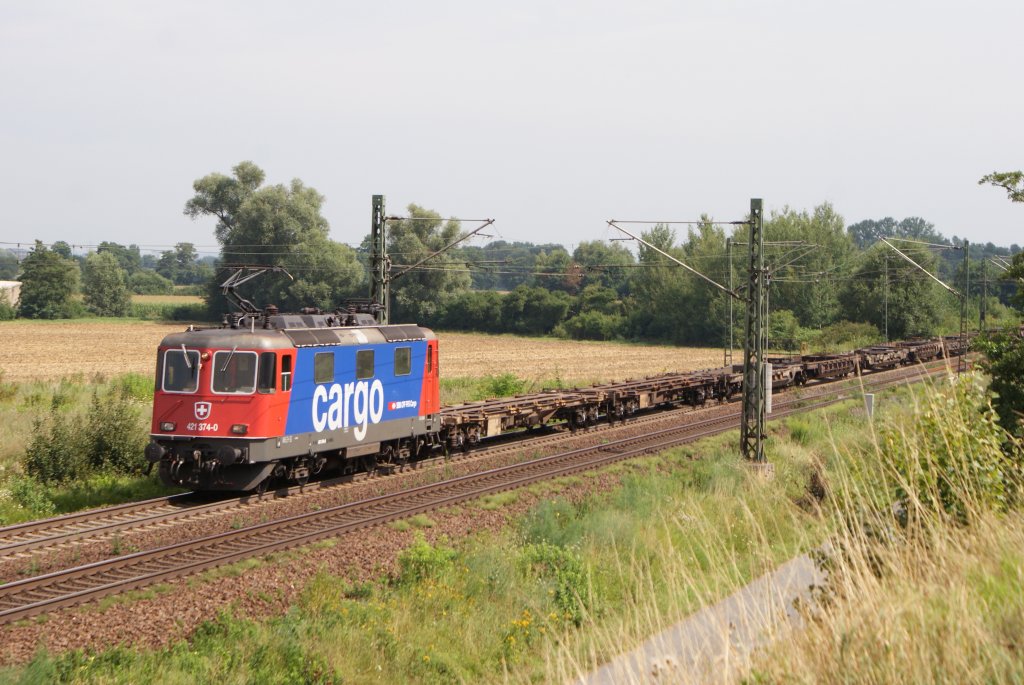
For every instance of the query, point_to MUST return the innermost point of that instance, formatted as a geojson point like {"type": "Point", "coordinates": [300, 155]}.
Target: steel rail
{"type": "Point", "coordinates": [49, 532]}
{"type": "Point", "coordinates": [74, 586]}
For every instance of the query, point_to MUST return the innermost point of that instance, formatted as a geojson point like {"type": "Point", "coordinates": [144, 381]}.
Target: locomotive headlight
{"type": "Point", "coordinates": [240, 428]}
{"type": "Point", "coordinates": [167, 426]}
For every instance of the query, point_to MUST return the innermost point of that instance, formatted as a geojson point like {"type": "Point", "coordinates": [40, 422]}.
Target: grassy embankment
{"type": "Point", "coordinates": [578, 579]}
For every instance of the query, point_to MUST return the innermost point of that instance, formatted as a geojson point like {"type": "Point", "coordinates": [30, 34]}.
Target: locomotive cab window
{"type": "Point", "coordinates": [323, 367]}
{"type": "Point", "coordinates": [403, 361]}
{"type": "Point", "coordinates": [181, 371]}
{"type": "Point", "coordinates": [286, 373]}
{"type": "Point", "coordinates": [268, 372]}
{"type": "Point", "coordinates": [364, 364]}
{"type": "Point", "coordinates": [234, 372]}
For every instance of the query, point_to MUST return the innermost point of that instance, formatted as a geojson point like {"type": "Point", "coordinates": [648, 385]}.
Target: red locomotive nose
{"type": "Point", "coordinates": [211, 393]}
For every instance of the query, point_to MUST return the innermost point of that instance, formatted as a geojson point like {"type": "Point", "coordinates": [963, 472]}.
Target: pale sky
{"type": "Point", "coordinates": [549, 117]}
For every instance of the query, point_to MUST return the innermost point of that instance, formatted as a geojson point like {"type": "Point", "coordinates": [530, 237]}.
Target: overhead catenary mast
{"type": "Point", "coordinates": [755, 385]}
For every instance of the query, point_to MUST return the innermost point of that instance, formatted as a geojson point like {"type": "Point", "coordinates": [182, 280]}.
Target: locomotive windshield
{"type": "Point", "coordinates": [234, 372]}
{"type": "Point", "coordinates": [181, 371]}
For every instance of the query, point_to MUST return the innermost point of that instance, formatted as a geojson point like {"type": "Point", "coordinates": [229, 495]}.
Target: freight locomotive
{"type": "Point", "coordinates": [277, 398]}
{"type": "Point", "coordinates": [270, 399]}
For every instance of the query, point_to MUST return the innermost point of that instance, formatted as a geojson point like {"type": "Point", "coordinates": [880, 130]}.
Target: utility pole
{"type": "Point", "coordinates": [885, 291]}
{"type": "Point", "coordinates": [379, 261]}
{"type": "Point", "coordinates": [754, 382]}
{"type": "Point", "coordinates": [729, 341]}
{"type": "Point", "coordinates": [984, 296]}
{"type": "Point", "coordinates": [961, 363]}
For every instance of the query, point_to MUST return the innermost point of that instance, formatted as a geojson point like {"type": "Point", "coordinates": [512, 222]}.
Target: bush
{"type": "Point", "coordinates": [115, 438]}
{"type": "Point", "coordinates": [844, 336]}
{"type": "Point", "coordinates": [111, 439]}
{"type": "Point", "coordinates": [563, 569]}
{"type": "Point", "coordinates": [421, 560]}
{"type": "Point", "coordinates": [7, 312]}
{"type": "Point", "coordinates": [31, 495]}
{"type": "Point", "coordinates": [593, 325]}
{"type": "Point", "coordinates": [161, 311]}
{"type": "Point", "coordinates": [150, 283]}
{"type": "Point", "coordinates": [74, 309]}
{"type": "Point", "coordinates": [1004, 362]}
{"type": "Point", "coordinates": [55, 454]}
{"type": "Point", "coordinates": [505, 385]}
{"type": "Point", "coordinates": [136, 385]}
{"type": "Point", "coordinates": [533, 311]}
{"type": "Point", "coordinates": [474, 310]}
{"type": "Point", "coordinates": [950, 459]}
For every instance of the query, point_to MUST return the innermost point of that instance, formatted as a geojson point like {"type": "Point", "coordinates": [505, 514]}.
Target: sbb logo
{"type": "Point", "coordinates": [404, 404]}
{"type": "Point", "coordinates": [352, 404]}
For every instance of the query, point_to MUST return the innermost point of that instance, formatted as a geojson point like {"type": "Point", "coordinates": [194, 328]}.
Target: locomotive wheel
{"type": "Point", "coordinates": [369, 463]}
{"type": "Point", "coordinates": [387, 453]}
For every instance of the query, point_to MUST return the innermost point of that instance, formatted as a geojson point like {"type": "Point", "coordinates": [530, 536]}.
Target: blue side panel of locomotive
{"type": "Point", "coordinates": [349, 402]}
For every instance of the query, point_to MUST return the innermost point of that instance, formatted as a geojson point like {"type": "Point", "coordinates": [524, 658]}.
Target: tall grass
{"type": "Point", "coordinates": [924, 555]}
{"type": "Point", "coordinates": [926, 581]}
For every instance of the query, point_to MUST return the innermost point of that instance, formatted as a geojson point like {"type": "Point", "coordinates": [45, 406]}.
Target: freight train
{"type": "Point", "coordinates": [270, 399]}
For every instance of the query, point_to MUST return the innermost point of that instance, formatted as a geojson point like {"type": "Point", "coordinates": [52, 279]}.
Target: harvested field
{"type": "Point", "coordinates": [167, 299]}
{"type": "Point", "coordinates": [573, 361]}
{"type": "Point", "coordinates": [50, 350]}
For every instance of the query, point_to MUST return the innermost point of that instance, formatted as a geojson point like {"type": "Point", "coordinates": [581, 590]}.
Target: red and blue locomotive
{"type": "Point", "coordinates": [271, 399]}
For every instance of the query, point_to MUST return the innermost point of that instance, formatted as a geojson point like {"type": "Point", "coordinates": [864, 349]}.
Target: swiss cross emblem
{"type": "Point", "coordinates": [202, 410]}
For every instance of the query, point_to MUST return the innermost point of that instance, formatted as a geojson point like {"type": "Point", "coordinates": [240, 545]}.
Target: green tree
{"type": "Point", "coordinates": [47, 283]}
{"type": "Point", "coordinates": [605, 264]}
{"type": "Point", "coordinates": [803, 277]}
{"type": "Point", "coordinates": [63, 249]}
{"type": "Point", "coordinates": [128, 258]}
{"type": "Point", "coordinates": [1015, 275]}
{"type": "Point", "coordinates": [868, 232]}
{"type": "Point", "coordinates": [915, 302]}
{"type": "Point", "coordinates": [1010, 181]}
{"type": "Point", "coordinates": [274, 225]}
{"type": "Point", "coordinates": [9, 266]}
{"type": "Point", "coordinates": [554, 269]}
{"type": "Point", "coordinates": [422, 294]}
{"type": "Point", "coordinates": [181, 265]}
{"type": "Point", "coordinates": [103, 284]}
{"type": "Point", "coordinates": [671, 303]}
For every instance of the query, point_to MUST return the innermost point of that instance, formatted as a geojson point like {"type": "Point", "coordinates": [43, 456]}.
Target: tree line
{"type": "Point", "coordinates": [824, 276]}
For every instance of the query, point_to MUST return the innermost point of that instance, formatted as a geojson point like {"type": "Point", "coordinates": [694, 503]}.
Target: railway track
{"type": "Point", "coordinates": [69, 587]}
{"type": "Point", "coordinates": [21, 540]}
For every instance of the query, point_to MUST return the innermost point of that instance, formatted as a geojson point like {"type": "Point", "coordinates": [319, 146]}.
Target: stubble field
{"type": "Point", "coordinates": [50, 350]}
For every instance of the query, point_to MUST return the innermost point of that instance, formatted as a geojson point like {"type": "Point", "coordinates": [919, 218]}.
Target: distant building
{"type": "Point", "coordinates": [10, 291]}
